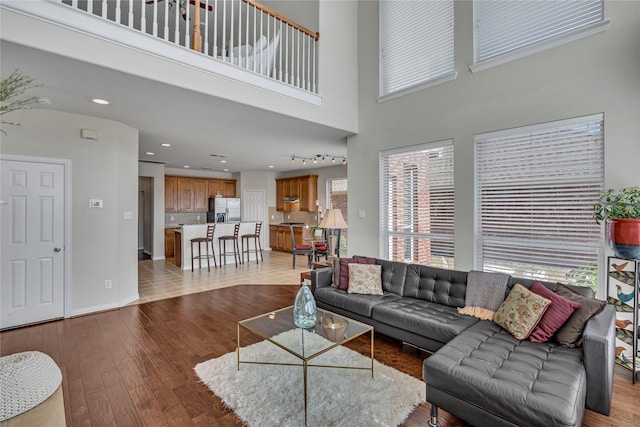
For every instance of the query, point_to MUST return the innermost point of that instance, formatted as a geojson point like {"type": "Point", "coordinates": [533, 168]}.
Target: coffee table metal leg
{"type": "Point", "coordinates": [304, 369]}
{"type": "Point", "coordinates": [371, 352]}
{"type": "Point", "coordinates": [238, 349]}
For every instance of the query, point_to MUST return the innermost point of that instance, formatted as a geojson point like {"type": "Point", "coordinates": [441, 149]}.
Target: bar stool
{"type": "Point", "coordinates": [222, 246]}
{"type": "Point", "coordinates": [256, 243]}
{"type": "Point", "coordinates": [205, 240]}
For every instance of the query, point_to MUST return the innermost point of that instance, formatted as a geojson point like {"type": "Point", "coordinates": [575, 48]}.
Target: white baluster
{"type": "Point", "coordinates": [176, 29]}
{"type": "Point", "coordinates": [313, 62]}
{"type": "Point", "coordinates": [90, 7]}
{"type": "Point", "coordinates": [304, 57]}
{"type": "Point", "coordinates": [246, 63]}
{"type": "Point", "coordinates": [280, 54]}
{"type": "Point", "coordinates": [130, 16]}
{"type": "Point", "coordinates": [187, 27]}
{"type": "Point", "coordinates": [74, 4]}
{"type": "Point", "coordinates": [255, 37]}
{"type": "Point", "coordinates": [261, 33]}
{"type": "Point", "coordinates": [155, 18]}
{"type": "Point", "coordinates": [224, 30]}
{"type": "Point", "coordinates": [143, 17]}
{"type": "Point", "coordinates": [206, 27]}
{"type": "Point", "coordinates": [215, 28]}
{"type": "Point", "coordinates": [264, 69]}
{"type": "Point", "coordinates": [104, 9]}
{"type": "Point", "coordinates": [286, 54]}
{"type": "Point", "coordinates": [298, 58]}
{"type": "Point", "coordinates": [231, 34]}
{"type": "Point", "coordinates": [118, 11]}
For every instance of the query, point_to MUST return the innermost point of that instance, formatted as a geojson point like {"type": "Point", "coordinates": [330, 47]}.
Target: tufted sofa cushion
{"type": "Point", "coordinates": [447, 287]}
{"type": "Point", "coordinates": [532, 384]}
{"type": "Point", "coordinates": [356, 303]}
{"type": "Point", "coordinates": [393, 275]}
{"type": "Point", "coordinates": [438, 322]}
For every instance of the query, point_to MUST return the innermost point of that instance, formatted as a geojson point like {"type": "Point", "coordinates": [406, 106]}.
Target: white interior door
{"type": "Point", "coordinates": [32, 226]}
{"type": "Point", "coordinates": [254, 208]}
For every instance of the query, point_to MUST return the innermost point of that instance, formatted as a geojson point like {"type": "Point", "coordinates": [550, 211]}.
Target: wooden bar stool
{"type": "Point", "coordinates": [222, 246]}
{"type": "Point", "coordinates": [257, 246]}
{"type": "Point", "coordinates": [206, 240]}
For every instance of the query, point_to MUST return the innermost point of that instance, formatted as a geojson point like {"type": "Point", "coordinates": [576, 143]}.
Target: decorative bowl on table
{"type": "Point", "coordinates": [333, 328]}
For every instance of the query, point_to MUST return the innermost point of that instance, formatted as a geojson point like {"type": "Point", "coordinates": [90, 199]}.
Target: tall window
{"type": "Point", "coordinates": [535, 191]}
{"type": "Point", "coordinates": [416, 204]}
{"type": "Point", "coordinates": [416, 43]}
{"type": "Point", "coordinates": [504, 26]}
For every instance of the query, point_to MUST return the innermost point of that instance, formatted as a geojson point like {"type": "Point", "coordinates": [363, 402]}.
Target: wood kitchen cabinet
{"type": "Point", "coordinates": [280, 237]}
{"type": "Point", "coordinates": [305, 188]}
{"type": "Point", "coordinates": [186, 194]}
{"type": "Point", "coordinates": [200, 195]}
{"type": "Point", "coordinates": [170, 194]}
{"type": "Point", "coordinates": [169, 242]}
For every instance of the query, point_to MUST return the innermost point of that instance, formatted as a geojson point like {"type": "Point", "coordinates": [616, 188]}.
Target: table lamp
{"type": "Point", "coordinates": [333, 219]}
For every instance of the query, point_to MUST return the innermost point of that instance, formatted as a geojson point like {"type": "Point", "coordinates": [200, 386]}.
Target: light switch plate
{"type": "Point", "coordinates": [362, 214]}
{"type": "Point", "coordinates": [128, 214]}
{"type": "Point", "coordinates": [95, 203]}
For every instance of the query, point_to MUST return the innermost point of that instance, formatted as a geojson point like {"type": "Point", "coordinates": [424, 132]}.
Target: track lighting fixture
{"type": "Point", "coordinates": [321, 157]}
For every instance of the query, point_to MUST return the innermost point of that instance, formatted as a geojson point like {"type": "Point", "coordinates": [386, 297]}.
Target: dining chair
{"type": "Point", "coordinates": [300, 249]}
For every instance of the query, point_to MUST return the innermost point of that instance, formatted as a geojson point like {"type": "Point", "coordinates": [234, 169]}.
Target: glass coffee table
{"type": "Point", "coordinates": [304, 344]}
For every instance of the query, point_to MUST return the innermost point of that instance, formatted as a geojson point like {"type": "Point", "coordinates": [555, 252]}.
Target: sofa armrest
{"type": "Point", "coordinates": [321, 277]}
{"type": "Point", "coordinates": [599, 358]}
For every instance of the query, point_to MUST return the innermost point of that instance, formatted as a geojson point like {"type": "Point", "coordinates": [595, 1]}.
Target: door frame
{"type": "Point", "coordinates": [66, 164]}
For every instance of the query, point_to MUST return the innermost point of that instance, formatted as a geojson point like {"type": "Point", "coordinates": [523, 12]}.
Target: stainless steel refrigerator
{"type": "Point", "coordinates": [223, 209]}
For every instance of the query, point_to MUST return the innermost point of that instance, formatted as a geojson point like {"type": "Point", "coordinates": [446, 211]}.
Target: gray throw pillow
{"type": "Point", "coordinates": [570, 334]}
{"type": "Point", "coordinates": [336, 272]}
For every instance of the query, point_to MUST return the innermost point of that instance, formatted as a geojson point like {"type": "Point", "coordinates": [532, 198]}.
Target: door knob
{"type": "Point", "coordinates": [57, 249]}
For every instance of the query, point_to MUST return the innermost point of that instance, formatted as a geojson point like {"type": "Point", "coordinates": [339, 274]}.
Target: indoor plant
{"type": "Point", "coordinates": [12, 90]}
{"type": "Point", "coordinates": [621, 211]}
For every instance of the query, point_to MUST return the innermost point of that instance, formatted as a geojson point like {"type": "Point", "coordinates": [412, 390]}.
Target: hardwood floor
{"type": "Point", "coordinates": [134, 366]}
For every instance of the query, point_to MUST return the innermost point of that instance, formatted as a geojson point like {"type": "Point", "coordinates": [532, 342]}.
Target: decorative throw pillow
{"type": "Point", "coordinates": [521, 311]}
{"type": "Point", "coordinates": [365, 279]}
{"type": "Point", "coordinates": [556, 315]}
{"type": "Point", "coordinates": [344, 269]}
{"type": "Point", "coordinates": [570, 335]}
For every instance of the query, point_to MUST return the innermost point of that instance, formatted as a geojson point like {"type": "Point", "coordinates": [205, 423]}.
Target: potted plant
{"type": "Point", "coordinates": [621, 211]}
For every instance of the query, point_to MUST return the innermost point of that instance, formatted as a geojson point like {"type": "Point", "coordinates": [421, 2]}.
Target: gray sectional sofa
{"type": "Point", "coordinates": [478, 371]}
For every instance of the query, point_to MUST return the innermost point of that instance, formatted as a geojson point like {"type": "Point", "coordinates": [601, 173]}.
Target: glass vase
{"type": "Point", "coordinates": [304, 308]}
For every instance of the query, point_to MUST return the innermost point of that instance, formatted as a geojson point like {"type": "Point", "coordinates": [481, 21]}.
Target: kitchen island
{"type": "Point", "coordinates": [191, 231]}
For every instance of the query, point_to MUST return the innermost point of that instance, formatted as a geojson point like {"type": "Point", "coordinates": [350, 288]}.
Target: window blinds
{"type": "Point", "coordinates": [504, 26]}
{"type": "Point", "coordinates": [417, 204]}
{"type": "Point", "coordinates": [416, 42]}
{"type": "Point", "coordinates": [535, 191]}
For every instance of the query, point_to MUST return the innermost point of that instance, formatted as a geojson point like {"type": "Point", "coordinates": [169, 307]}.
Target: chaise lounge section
{"type": "Point", "coordinates": [478, 371]}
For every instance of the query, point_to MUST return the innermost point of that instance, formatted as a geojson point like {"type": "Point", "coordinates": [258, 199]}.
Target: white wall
{"type": "Point", "coordinates": [103, 244]}
{"type": "Point", "coordinates": [156, 172]}
{"type": "Point", "coordinates": [600, 73]}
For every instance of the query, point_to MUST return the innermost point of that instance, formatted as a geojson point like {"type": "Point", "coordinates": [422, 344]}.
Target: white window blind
{"type": "Point", "coordinates": [504, 26]}
{"type": "Point", "coordinates": [416, 42]}
{"type": "Point", "coordinates": [535, 191]}
{"type": "Point", "coordinates": [417, 204]}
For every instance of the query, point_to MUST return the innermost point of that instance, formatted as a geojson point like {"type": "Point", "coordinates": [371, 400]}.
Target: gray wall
{"type": "Point", "coordinates": [103, 244]}
{"type": "Point", "coordinates": [600, 73]}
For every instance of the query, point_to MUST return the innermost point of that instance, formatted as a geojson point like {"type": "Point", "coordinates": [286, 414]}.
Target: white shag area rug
{"type": "Point", "coordinates": [271, 395]}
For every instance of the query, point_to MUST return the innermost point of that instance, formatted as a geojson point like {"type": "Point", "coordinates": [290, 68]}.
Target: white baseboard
{"type": "Point", "coordinates": [157, 258]}
{"type": "Point", "coordinates": [104, 307]}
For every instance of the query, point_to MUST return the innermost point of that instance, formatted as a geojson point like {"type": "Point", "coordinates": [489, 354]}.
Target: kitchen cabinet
{"type": "Point", "coordinates": [186, 194]}
{"type": "Point", "coordinates": [200, 195]}
{"type": "Point", "coordinates": [280, 237]}
{"type": "Point", "coordinates": [170, 194]}
{"type": "Point", "coordinates": [305, 188]}
{"type": "Point", "coordinates": [169, 242]}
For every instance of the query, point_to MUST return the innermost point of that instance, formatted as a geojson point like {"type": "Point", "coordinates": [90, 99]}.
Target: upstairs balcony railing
{"type": "Point", "coordinates": [243, 33]}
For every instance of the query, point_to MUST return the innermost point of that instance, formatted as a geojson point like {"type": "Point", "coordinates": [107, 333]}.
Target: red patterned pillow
{"type": "Point", "coordinates": [344, 269]}
{"type": "Point", "coordinates": [556, 315]}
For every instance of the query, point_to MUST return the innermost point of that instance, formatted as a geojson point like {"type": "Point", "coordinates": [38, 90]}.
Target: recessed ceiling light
{"type": "Point", "coordinates": [166, 145]}
{"type": "Point", "coordinates": [100, 101]}
{"type": "Point", "coordinates": [226, 170]}
{"type": "Point", "coordinates": [150, 153]}
{"type": "Point", "coordinates": [223, 161]}
{"type": "Point", "coordinates": [187, 166]}
{"type": "Point", "coordinates": [271, 166]}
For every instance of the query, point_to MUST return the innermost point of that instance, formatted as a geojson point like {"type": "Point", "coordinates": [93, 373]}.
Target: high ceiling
{"type": "Point", "coordinates": [196, 125]}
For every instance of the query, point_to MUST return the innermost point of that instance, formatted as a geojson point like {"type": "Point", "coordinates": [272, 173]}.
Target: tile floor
{"type": "Point", "coordinates": [163, 279]}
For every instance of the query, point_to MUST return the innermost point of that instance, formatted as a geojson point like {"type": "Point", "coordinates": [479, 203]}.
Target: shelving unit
{"type": "Point", "coordinates": [623, 282]}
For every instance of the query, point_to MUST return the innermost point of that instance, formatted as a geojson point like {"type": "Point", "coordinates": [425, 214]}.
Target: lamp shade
{"type": "Point", "coordinates": [333, 219]}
